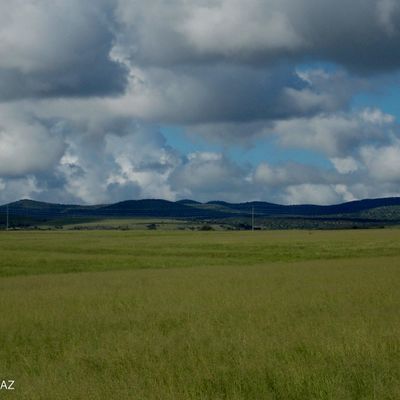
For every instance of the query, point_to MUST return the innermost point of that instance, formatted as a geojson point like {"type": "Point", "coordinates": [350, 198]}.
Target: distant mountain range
{"type": "Point", "coordinates": [378, 209]}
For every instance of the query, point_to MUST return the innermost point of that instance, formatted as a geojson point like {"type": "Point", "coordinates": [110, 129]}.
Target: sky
{"type": "Point", "coordinates": [286, 101]}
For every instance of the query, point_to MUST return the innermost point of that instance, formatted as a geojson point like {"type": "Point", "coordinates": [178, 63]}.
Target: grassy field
{"type": "Point", "coordinates": [121, 223]}
{"type": "Point", "coordinates": [191, 315]}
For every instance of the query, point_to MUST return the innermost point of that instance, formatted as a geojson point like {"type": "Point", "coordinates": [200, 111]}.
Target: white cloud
{"type": "Point", "coordinates": [18, 188]}
{"type": "Point", "coordinates": [345, 165]}
{"type": "Point", "coordinates": [383, 163]}
{"type": "Point", "coordinates": [336, 135]}
{"type": "Point", "coordinates": [27, 146]}
{"type": "Point", "coordinates": [145, 163]}
{"type": "Point", "coordinates": [208, 176]}
{"type": "Point", "coordinates": [288, 174]}
{"type": "Point", "coordinates": [227, 28]}
{"type": "Point", "coordinates": [312, 194]}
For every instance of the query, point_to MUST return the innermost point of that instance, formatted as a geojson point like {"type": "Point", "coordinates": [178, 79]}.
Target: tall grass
{"type": "Point", "coordinates": [309, 329]}
{"type": "Point", "coordinates": [27, 253]}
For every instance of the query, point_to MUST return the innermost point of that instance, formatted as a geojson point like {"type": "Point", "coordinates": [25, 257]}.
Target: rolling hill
{"type": "Point", "coordinates": [29, 212]}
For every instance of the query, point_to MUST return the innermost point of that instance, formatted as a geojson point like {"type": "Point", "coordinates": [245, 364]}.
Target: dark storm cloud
{"type": "Point", "coordinates": [104, 79]}
{"type": "Point", "coordinates": [58, 49]}
{"type": "Point", "coordinates": [362, 35]}
{"type": "Point", "coordinates": [73, 48]}
{"type": "Point", "coordinates": [231, 93]}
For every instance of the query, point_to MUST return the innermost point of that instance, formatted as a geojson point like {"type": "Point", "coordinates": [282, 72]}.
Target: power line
{"type": "Point", "coordinates": [7, 218]}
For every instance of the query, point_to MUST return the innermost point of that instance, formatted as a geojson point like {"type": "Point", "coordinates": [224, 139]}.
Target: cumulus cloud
{"type": "Point", "coordinates": [145, 160]}
{"type": "Point", "coordinates": [226, 93]}
{"type": "Point", "coordinates": [27, 145]}
{"type": "Point", "coordinates": [345, 165]}
{"type": "Point", "coordinates": [19, 188]}
{"type": "Point", "coordinates": [213, 28]}
{"type": "Point", "coordinates": [259, 32]}
{"type": "Point", "coordinates": [383, 163]}
{"type": "Point", "coordinates": [122, 159]}
{"type": "Point", "coordinates": [295, 183]}
{"type": "Point", "coordinates": [337, 135]}
{"type": "Point", "coordinates": [61, 48]}
{"type": "Point", "coordinates": [289, 174]}
{"type": "Point", "coordinates": [209, 176]}
{"type": "Point", "coordinates": [84, 87]}
{"type": "Point", "coordinates": [57, 48]}
{"type": "Point", "coordinates": [311, 193]}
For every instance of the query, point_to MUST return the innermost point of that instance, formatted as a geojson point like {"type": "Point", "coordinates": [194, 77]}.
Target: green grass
{"type": "Point", "coordinates": [27, 253]}
{"type": "Point", "coordinates": [124, 223]}
{"type": "Point", "coordinates": [215, 315]}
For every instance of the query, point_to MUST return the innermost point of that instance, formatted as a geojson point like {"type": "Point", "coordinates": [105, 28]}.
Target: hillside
{"type": "Point", "coordinates": [370, 211]}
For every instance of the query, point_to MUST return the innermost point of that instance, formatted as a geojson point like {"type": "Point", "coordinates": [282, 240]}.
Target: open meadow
{"type": "Point", "coordinates": [200, 315]}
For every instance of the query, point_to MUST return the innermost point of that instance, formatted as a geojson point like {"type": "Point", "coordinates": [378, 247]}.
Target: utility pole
{"type": "Point", "coordinates": [252, 218]}
{"type": "Point", "coordinates": [7, 219]}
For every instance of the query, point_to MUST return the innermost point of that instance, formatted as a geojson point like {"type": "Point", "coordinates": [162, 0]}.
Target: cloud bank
{"type": "Point", "coordinates": [86, 88]}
